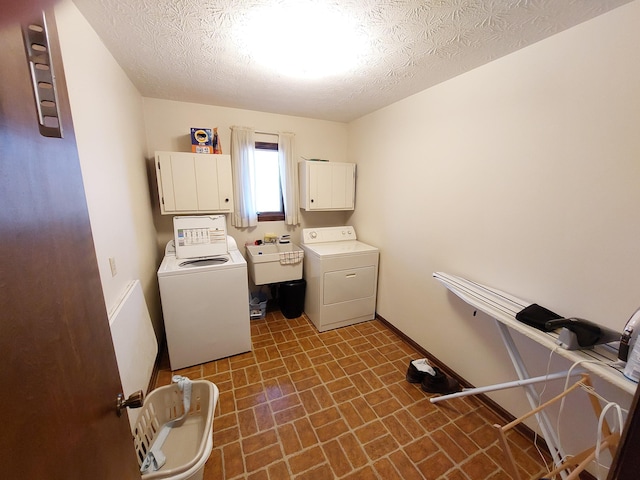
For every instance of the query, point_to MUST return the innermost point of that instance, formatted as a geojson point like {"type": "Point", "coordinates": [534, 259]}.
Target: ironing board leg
{"type": "Point", "coordinates": [503, 386]}
{"type": "Point", "coordinates": [544, 422]}
{"type": "Point", "coordinates": [526, 382]}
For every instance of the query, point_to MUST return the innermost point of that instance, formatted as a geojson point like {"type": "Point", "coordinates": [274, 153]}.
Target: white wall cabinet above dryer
{"type": "Point", "coordinates": [327, 185]}
{"type": "Point", "coordinates": [194, 183]}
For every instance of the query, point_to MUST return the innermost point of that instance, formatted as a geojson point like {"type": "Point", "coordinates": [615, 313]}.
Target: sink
{"type": "Point", "coordinates": [274, 262]}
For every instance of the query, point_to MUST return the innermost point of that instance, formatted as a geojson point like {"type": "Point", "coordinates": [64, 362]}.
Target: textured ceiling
{"type": "Point", "coordinates": [185, 49]}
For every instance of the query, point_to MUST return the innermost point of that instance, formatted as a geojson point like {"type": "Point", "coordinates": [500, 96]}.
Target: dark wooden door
{"type": "Point", "coordinates": [59, 378]}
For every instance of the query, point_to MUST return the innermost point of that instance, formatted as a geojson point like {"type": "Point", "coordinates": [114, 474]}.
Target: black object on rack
{"type": "Point", "coordinates": [537, 317]}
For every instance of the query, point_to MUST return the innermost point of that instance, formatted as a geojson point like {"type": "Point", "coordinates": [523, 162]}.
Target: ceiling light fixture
{"type": "Point", "coordinates": [303, 39]}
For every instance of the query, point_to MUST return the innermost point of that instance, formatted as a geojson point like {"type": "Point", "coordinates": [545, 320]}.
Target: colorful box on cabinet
{"type": "Point", "coordinates": [201, 140]}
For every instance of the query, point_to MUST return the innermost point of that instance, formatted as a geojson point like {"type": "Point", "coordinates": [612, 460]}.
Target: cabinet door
{"type": "Point", "coordinates": [194, 183]}
{"type": "Point", "coordinates": [176, 182]}
{"type": "Point", "coordinates": [331, 186]}
{"type": "Point", "coordinates": [320, 186]}
{"type": "Point", "coordinates": [206, 177]}
{"type": "Point", "coordinates": [343, 186]}
{"type": "Point", "coordinates": [213, 183]}
{"type": "Point", "coordinates": [185, 190]}
{"type": "Point", "coordinates": [225, 183]}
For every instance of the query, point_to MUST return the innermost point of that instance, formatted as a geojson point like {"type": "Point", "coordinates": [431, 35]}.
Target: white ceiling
{"type": "Point", "coordinates": [184, 49]}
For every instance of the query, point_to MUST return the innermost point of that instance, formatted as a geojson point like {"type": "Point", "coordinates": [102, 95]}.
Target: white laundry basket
{"type": "Point", "coordinates": [189, 445]}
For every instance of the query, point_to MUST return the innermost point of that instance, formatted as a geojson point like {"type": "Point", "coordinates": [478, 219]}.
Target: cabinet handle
{"type": "Point", "coordinates": [226, 200]}
{"type": "Point", "coordinates": [312, 200]}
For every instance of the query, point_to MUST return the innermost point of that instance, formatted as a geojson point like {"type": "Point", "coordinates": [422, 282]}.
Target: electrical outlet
{"type": "Point", "coordinates": [112, 264]}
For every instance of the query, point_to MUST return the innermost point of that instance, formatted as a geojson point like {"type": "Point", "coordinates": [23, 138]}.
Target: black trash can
{"type": "Point", "coordinates": [291, 297]}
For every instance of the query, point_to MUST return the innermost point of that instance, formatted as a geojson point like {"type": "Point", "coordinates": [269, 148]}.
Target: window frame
{"type": "Point", "coordinates": [270, 216]}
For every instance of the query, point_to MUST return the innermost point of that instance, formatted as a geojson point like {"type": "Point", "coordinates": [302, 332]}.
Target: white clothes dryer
{"type": "Point", "coordinates": [342, 277]}
{"type": "Point", "coordinates": [205, 297]}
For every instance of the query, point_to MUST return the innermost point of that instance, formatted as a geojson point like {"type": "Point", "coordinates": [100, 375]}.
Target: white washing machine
{"type": "Point", "coordinates": [342, 277]}
{"type": "Point", "coordinates": [204, 292]}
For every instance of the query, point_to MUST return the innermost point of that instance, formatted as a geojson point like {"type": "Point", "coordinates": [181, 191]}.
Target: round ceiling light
{"type": "Point", "coordinates": [304, 39]}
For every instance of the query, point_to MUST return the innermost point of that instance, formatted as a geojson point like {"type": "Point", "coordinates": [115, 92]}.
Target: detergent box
{"type": "Point", "coordinates": [201, 140]}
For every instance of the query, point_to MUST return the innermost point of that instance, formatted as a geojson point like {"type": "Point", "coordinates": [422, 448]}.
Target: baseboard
{"type": "Point", "coordinates": [496, 408]}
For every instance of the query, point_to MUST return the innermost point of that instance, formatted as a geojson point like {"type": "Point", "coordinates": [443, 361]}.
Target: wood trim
{"type": "Point", "coordinates": [270, 216]}
{"type": "Point", "coordinates": [267, 145]}
{"type": "Point", "coordinates": [501, 412]}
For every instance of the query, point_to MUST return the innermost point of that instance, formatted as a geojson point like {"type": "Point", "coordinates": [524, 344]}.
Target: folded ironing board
{"type": "Point", "coordinates": [504, 307]}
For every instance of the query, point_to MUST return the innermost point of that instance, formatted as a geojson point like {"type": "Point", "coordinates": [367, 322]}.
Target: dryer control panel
{"type": "Point", "coordinates": [328, 234]}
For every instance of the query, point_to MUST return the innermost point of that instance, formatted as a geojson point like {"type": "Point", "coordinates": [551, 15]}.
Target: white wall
{"type": "Point", "coordinates": [168, 125]}
{"type": "Point", "coordinates": [109, 128]}
{"type": "Point", "coordinates": [523, 175]}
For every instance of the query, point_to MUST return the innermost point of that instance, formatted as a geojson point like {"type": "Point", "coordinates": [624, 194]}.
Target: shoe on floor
{"type": "Point", "coordinates": [439, 383]}
{"type": "Point", "coordinates": [418, 369]}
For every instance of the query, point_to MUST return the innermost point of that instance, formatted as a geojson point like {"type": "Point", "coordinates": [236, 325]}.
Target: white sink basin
{"type": "Point", "coordinates": [274, 263]}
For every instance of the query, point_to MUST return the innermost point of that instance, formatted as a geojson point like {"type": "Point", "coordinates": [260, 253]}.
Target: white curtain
{"type": "Point", "coordinates": [242, 148]}
{"type": "Point", "coordinates": [289, 178]}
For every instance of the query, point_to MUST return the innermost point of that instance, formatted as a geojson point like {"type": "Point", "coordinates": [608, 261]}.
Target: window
{"type": "Point", "coordinates": [268, 194]}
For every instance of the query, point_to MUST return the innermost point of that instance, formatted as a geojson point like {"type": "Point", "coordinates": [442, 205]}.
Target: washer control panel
{"type": "Point", "coordinates": [328, 234]}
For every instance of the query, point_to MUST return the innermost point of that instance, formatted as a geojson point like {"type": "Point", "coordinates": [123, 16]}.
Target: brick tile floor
{"type": "Point", "coordinates": [336, 405]}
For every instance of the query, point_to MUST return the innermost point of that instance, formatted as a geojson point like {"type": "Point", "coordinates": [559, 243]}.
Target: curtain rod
{"type": "Point", "coordinates": [260, 132]}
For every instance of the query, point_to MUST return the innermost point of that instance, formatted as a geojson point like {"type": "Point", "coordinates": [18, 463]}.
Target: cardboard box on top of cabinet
{"type": "Point", "coordinates": [201, 140]}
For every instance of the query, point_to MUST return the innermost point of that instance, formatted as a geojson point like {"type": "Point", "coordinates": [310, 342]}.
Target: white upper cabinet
{"type": "Point", "coordinates": [327, 185]}
{"type": "Point", "coordinates": [194, 183]}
